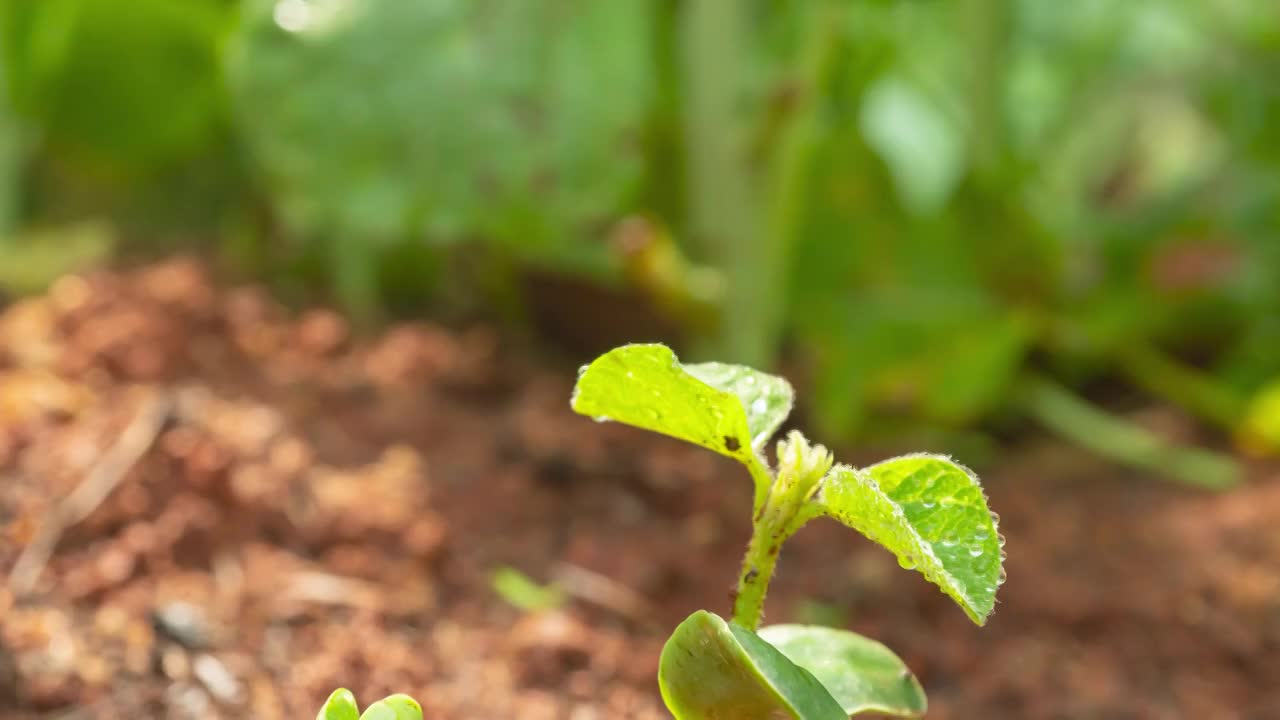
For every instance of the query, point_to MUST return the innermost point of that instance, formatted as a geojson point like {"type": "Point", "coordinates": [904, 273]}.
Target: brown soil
{"type": "Point", "coordinates": [287, 511]}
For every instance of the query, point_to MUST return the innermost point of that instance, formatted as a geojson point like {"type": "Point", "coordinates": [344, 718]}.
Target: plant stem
{"type": "Point", "coordinates": [988, 27]}
{"type": "Point", "coordinates": [757, 570]}
{"type": "Point", "coordinates": [792, 168]}
{"type": "Point", "coordinates": [722, 192]}
{"type": "Point", "coordinates": [1113, 438]}
{"type": "Point", "coordinates": [784, 509]}
{"type": "Point", "coordinates": [1161, 375]}
{"type": "Point", "coordinates": [748, 214]}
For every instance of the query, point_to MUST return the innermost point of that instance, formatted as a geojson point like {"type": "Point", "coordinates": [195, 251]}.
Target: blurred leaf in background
{"type": "Point", "coordinates": [123, 85]}
{"type": "Point", "coordinates": [33, 259]}
{"type": "Point", "coordinates": [921, 148]}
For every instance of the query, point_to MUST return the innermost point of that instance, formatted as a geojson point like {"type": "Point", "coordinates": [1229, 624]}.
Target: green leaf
{"type": "Point", "coordinates": [860, 673]}
{"type": "Point", "coordinates": [341, 705]}
{"type": "Point", "coordinates": [35, 258]}
{"type": "Point", "coordinates": [922, 149]}
{"type": "Point", "coordinates": [711, 669]}
{"type": "Point", "coordinates": [766, 398]}
{"type": "Point", "coordinates": [524, 592]}
{"type": "Point", "coordinates": [932, 514]}
{"type": "Point", "coordinates": [730, 409]}
{"type": "Point", "coordinates": [395, 707]}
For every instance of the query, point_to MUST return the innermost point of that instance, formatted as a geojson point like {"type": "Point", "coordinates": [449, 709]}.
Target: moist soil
{"type": "Point", "coordinates": [213, 508]}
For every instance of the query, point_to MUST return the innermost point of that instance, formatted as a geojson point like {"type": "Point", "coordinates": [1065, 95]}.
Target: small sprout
{"type": "Point", "coordinates": [927, 510]}
{"type": "Point", "coordinates": [524, 592]}
{"type": "Point", "coordinates": [341, 705]}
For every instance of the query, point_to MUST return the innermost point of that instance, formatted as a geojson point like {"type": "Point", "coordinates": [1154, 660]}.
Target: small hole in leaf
{"type": "Point", "coordinates": [731, 443]}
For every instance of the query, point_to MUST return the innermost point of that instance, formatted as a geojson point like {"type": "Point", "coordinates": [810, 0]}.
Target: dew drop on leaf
{"type": "Point", "coordinates": [975, 551]}
{"type": "Point", "coordinates": [759, 406]}
{"type": "Point", "coordinates": [928, 505]}
{"type": "Point", "coordinates": [907, 562]}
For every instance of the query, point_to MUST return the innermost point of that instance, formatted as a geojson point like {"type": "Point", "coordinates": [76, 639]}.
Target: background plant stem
{"type": "Point", "coordinates": [1115, 439]}
{"type": "Point", "coordinates": [747, 215]}
{"type": "Point", "coordinates": [1161, 375]}
{"type": "Point", "coordinates": [722, 197]}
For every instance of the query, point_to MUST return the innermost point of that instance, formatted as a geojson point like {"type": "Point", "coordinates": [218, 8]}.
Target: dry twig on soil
{"type": "Point", "coordinates": [97, 485]}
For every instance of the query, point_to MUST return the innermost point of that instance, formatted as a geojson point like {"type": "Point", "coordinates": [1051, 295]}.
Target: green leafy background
{"type": "Point", "coordinates": [915, 203]}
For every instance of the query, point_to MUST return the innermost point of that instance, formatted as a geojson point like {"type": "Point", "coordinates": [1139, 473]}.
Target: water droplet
{"type": "Point", "coordinates": [759, 406]}
{"type": "Point", "coordinates": [1004, 575]}
{"type": "Point", "coordinates": [751, 380]}
{"type": "Point", "coordinates": [975, 551]}
{"type": "Point", "coordinates": [1001, 538]}
{"type": "Point", "coordinates": [907, 562]}
{"type": "Point", "coordinates": [948, 541]}
{"type": "Point", "coordinates": [928, 505]}
{"type": "Point", "coordinates": [980, 536]}
{"type": "Point", "coordinates": [600, 418]}
{"type": "Point", "coordinates": [995, 518]}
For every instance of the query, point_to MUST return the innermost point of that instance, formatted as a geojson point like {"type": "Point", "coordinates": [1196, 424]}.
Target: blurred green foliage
{"type": "Point", "coordinates": [125, 85]}
{"type": "Point", "coordinates": [920, 200]}
{"type": "Point", "coordinates": [518, 123]}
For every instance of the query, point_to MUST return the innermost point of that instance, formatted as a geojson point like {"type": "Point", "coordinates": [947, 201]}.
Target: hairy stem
{"type": "Point", "coordinates": [783, 510]}
{"type": "Point", "coordinates": [757, 570]}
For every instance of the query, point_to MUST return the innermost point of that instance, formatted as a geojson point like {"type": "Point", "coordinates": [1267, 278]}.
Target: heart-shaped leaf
{"type": "Point", "coordinates": [860, 673]}
{"type": "Point", "coordinates": [932, 514]}
{"type": "Point", "coordinates": [730, 409]}
{"type": "Point", "coordinates": [714, 670]}
{"type": "Point", "coordinates": [395, 707]}
{"type": "Point", "coordinates": [341, 705]}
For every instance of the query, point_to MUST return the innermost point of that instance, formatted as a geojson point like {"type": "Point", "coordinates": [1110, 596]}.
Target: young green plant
{"type": "Point", "coordinates": [929, 511]}
{"type": "Point", "coordinates": [341, 705]}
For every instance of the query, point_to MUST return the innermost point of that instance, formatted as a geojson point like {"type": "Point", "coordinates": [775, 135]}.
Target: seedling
{"type": "Point", "coordinates": [341, 705]}
{"type": "Point", "coordinates": [926, 509]}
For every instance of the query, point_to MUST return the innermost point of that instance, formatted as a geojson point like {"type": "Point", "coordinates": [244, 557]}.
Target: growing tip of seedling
{"type": "Point", "coordinates": [802, 463]}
